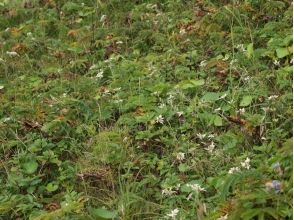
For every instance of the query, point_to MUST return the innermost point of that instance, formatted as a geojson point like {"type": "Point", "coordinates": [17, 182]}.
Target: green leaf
{"type": "Point", "coordinates": [218, 121]}
{"type": "Point", "coordinates": [51, 187]}
{"type": "Point", "coordinates": [101, 213]}
{"type": "Point", "coordinates": [210, 97]}
{"type": "Point", "coordinates": [246, 100]}
{"type": "Point", "coordinates": [30, 167]}
{"type": "Point", "coordinates": [183, 167]}
{"type": "Point", "coordinates": [282, 52]}
{"type": "Point", "coordinates": [186, 84]}
{"type": "Point", "coordinates": [250, 50]}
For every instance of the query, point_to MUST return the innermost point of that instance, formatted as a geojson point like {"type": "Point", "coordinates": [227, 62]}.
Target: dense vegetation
{"type": "Point", "coordinates": [146, 109]}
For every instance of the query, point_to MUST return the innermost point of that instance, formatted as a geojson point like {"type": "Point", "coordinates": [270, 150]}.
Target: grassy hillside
{"type": "Point", "coordinates": [146, 109]}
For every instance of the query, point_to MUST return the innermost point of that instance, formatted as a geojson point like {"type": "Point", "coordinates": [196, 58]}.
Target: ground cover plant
{"type": "Point", "coordinates": [146, 109]}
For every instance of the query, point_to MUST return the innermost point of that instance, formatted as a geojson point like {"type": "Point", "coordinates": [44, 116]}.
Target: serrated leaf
{"type": "Point", "coordinates": [30, 167]}
{"type": "Point", "coordinates": [246, 100]}
{"type": "Point", "coordinates": [183, 167]}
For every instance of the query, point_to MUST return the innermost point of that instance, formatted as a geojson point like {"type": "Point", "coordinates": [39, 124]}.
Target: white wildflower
{"type": "Point", "coordinates": [180, 156]}
{"type": "Point", "coordinates": [99, 74]}
{"type": "Point", "coordinates": [159, 119]}
{"type": "Point", "coordinates": [217, 109]}
{"type": "Point", "coordinates": [12, 53]}
{"type": "Point", "coordinates": [162, 105]}
{"type": "Point", "coordinates": [180, 114]}
{"type": "Point", "coordinates": [272, 97]}
{"type": "Point", "coordinates": [117, 89]}
{"type": "Point", "coordinates": [173, 213]}
{"type": "Point", "coordinates": [246, 163]}
{"type": "Point", "coordinates": [233, 62]}
{"type": "Point", "coordinates": [241, 111]}
{"type": "Point", "coordinates": [201, 136]}
{"type": "Point", "coordinates": [182, 31]}
{"type": "Point", "coordinates": [125, 139]}
{"type": "Point", "coordinates": [266, 109]}
{"type": "Point", "coordinates": [6, 119]}
{"type": "Point", "coordinates": [224, 217]}
{"type": "Point", "coordinates": [241, 47]}
{"type": "Point", "coordinates": [119, 42]}
{"type": "Point", "coordinates": [170, 98]}
{"type": "Point", "coordinates": [196, 187]}
{"type": "Point", "coordinates": [29, 34]}
{"type": "Point", "coordinates": [1, 87]}
{"type": "Point", "coordinates": [247, 78]}
{"type": "Point", "coordinates": [189, 197]}
{"type": "Point", "coordinates": [103, 18]}
{"type": "Point", "coordinates": [203, 63]}
{"type": "Point", "coordinates": [94, 66]}
{"type": "Point", "coordinates": [276, 63]}
{"type": "Point", "coordinates": [211, 147]}
{"type": "Point", "coordinates": [227, 56]}
{"type": "Point", "coordinates": [234, 170]}
{"type": "Point", "coordinates": [168, 191]}
{"type": "Point", "coordinates": [223, 96]}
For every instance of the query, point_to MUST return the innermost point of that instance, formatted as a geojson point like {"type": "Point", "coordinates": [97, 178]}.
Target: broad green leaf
{"type": "Point", "coordinates": [101, 213]}
{"type": "Point", "coordinates": [250, 50]}
{"type": "Point", "coordinates": [30, 167]}
{"type": "Point", "coordinates": [218, 121]}
{"type": "Point", "coordinates": [282, 52]}
{"type": "Point", "coordinates": [246, 100]}
{"type": "Point", "coordinates": [210, 97]}
{"type": "Point", "coordinates": [51, 187]}
{"type": "Point", "coordinates": [191, 83]}
{"type": "Point", "coordinates": [183, 167]}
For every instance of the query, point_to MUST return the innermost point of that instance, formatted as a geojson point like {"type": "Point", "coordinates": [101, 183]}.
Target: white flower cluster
{"type": "Point", "coordinates": [224, 217]}
{"type": "Point", "coordinates": [173, 214]}
{"type": "Point", "coordinates": [159, 119]}
{"type": "Point", "coordinates": [241, 47]}
{"type": "Point", "coordinates": [12, 53]}
{"type": "Point", "coordinates": [241, 111]}
{"type": "Point", "coordinates": [170, 190]}
{"type": "Point", "coordinates": [180, 156]}
{"type": "Point", "coordinates": [196, 187]}
{"type": "Point", "coordinates": [234, 170]}
{"type": "Point", "coordinates": [210, 147]}
{"type": "Point", "coordinates": [202, 136]}
{"type": "Point", "coordinates": [245, 164]}
{"type": "Point", "coordinates": [272, 97]}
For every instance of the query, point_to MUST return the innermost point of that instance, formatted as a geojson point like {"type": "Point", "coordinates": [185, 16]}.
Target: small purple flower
{"type": "Point", "coordinates": [277, 185]}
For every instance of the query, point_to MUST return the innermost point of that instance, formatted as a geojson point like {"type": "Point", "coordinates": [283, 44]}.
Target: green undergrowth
{"type": "Point", "coordinates": [136, 109]}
